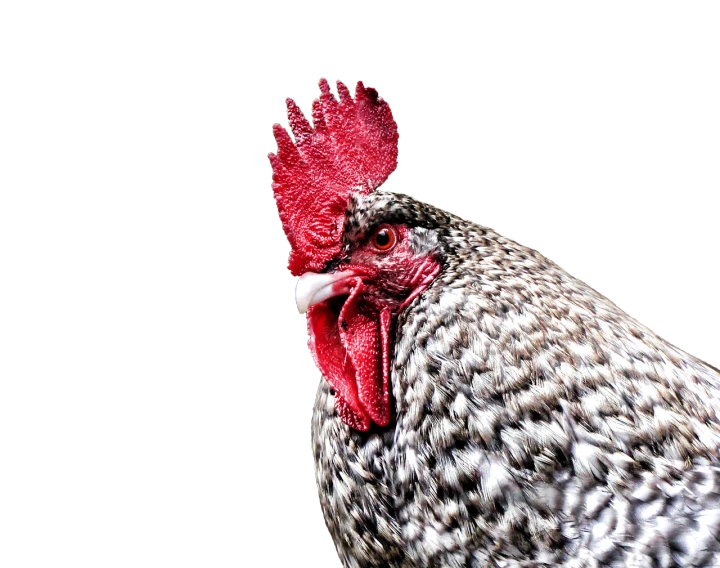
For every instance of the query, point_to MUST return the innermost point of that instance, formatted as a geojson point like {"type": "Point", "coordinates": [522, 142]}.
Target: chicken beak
{"type": "Point", "coordinates": [313, 288]}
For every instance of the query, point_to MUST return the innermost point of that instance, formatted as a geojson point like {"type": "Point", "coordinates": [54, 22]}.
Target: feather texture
{"type": "Point", "coordinates": [534, 422]}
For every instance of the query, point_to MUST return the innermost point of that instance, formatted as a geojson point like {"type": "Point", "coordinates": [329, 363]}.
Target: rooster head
{"type": "Point", "coordinates": [359, 255]}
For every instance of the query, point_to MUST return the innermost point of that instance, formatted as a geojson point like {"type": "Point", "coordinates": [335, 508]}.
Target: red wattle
{"type": "Point", "coordinates": [360, 331]}
{"type": "Point", "coordinates": [352, 351]}
{"type": "Point", "coordinates": [332, 360]}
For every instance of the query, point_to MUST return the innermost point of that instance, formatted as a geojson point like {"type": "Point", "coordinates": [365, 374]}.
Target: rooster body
{"type": "Point", "coordinates": [535, 423]}
{"type": "Point", "coordinates": [526, 420]}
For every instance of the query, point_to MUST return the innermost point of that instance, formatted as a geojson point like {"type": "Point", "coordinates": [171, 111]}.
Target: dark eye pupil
{"type": "Point", "coordinates": [382, 239]}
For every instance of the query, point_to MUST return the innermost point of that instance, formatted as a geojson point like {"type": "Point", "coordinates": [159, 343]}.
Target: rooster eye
{"type": "Point", "coordinates": [384, 238]}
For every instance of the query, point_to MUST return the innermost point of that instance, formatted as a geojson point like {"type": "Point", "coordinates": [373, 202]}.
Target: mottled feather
{"type": "Point", "coordinates": [534, 422]}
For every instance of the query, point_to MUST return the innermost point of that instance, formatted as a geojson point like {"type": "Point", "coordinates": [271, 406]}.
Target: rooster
{"type": "Point", "coordinates": [479, 406]}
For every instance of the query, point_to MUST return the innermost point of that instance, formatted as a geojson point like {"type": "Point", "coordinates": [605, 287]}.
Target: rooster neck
{"type": "Point", "coordinates": [511, 382]}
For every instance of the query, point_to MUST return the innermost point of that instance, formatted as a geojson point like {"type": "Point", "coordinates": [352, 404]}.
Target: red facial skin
{"type": "Point", "coordinates": [351, 339]}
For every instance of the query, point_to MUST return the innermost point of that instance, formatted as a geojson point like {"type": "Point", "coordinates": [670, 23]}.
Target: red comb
{"type": "Point", "coordinates": [352, 147]}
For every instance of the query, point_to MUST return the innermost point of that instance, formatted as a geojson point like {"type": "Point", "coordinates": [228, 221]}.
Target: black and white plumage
{"type": "Point", "coordinates": [534, 423]}
{"type": "Point", "coordinates": [479, 406]}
